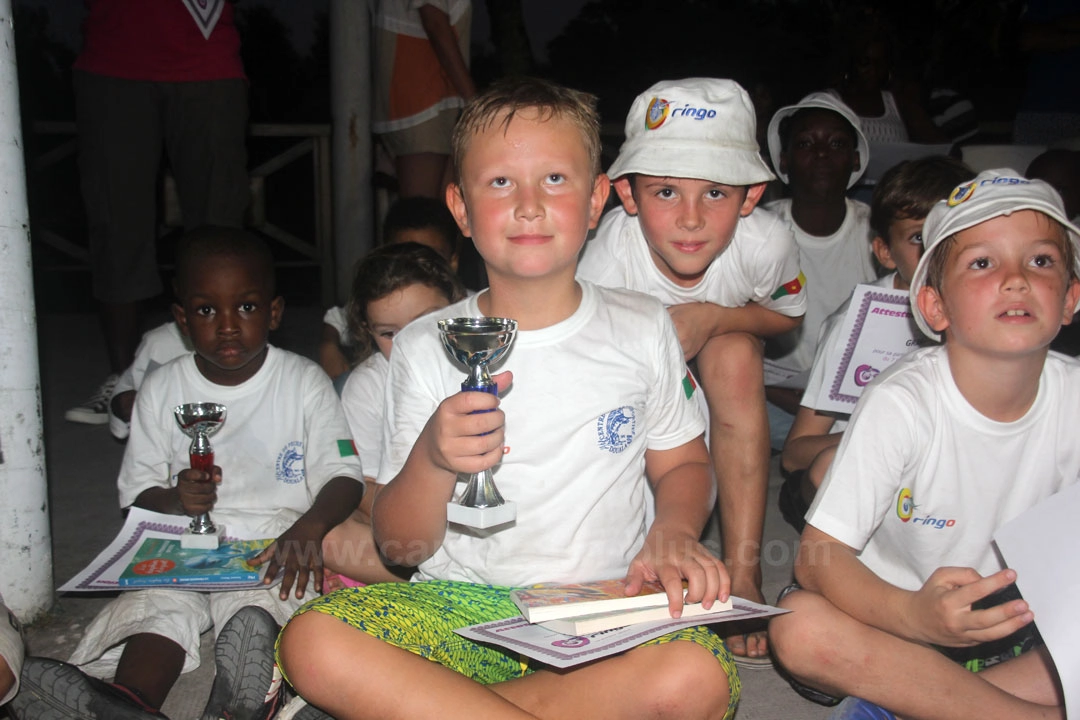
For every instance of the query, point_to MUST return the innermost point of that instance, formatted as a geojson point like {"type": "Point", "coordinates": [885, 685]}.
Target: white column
{"type": "Point", "coordinates": [25, 552]}
{"type": "Point", "coordinates": [350, 97]}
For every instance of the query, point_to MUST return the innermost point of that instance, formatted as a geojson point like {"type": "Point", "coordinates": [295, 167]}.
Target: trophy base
{"type": "Point", "coordinates": [481, 518]}
{"type": "Point", "coordinates": [205, 541]}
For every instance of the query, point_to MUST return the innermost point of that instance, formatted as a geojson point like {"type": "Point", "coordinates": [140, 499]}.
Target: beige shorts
{"type": "Point", "coordinates": [180, 615]}
{"type": "Point", "coordinates": [430, 136]}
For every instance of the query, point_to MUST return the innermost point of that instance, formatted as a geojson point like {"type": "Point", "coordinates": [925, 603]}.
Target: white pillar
{"type": "Point", "coordinates": [25, 552]}
{"type": "Point", "coordinates": [350, 97]}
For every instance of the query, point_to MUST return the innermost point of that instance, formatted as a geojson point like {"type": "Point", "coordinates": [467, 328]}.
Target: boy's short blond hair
{"type": "Point", "coordinates": [502, 101]}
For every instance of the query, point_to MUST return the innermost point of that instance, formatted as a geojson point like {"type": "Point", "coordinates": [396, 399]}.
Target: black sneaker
{"type": "Point", "coordinates": [298, 709]}
{"type": "Point", "coordinates": [95, 411]}
{"type": "Point", "coordinates": [54, 690]}
{"type": "Point", "coordinates": [247, 683]}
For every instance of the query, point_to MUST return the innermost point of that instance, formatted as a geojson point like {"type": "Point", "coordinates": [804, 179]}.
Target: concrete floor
{"type": "Point", "coordinates": [83, 461]}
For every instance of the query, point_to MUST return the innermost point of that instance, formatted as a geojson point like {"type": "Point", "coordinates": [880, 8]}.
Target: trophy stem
{"type": "Point", "coordinates": [480, 491]}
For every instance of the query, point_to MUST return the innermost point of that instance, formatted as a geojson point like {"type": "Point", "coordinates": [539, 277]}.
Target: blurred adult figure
{"type": "Point", "coordinates": [1050, 108]}
{"type": "Point", "coordinates": [152, 76]}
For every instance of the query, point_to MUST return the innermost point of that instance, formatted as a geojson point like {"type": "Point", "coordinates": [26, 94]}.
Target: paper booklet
{"type": "Point", "coordinates": [164, 562]}
{"type": "Point", "coordinates": [563, 650]}
{"type": "Point", "coordinates": [877, 330]}
{"type": "Point", "coordinates": [553, 601]}
{"type": "Point", "coordinates": [104, 571]}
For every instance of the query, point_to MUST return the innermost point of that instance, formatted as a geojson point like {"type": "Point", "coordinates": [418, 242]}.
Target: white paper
{"type": "Point", "coordinates": [563, 651]}
{"type": "Point", "coordinates": [104, 571]}
{"type": "Point", "coordinates": [1040, 545]}
{"type": "Point", "coordinates": [877, 330]}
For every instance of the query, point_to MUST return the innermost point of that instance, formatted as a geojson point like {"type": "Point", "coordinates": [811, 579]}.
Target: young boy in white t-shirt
{"type": "Point", "coordinates": [819, 151]}
{"type": "Point", "coordinates": [897, 562]}
{"type": "Point", "coordinates": [901, 201]}
{"type": "Point", "coordinates": [595, 415]}
{"type": "Point", "coordinates": [690, 177]}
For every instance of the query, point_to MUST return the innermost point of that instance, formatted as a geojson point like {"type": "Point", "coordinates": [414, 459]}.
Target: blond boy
{"type": "Point", "coordinates": [529, 189]}
{"type": "Point", "coordinates": [689, 177]}
{"type": "Point", "coordinates": [952, 441]}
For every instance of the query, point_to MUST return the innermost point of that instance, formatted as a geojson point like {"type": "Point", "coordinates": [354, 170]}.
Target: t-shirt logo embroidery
{"type": "Point", "coordinates": [615, 429]}
{"type": "Point", "coordinates": [290, 463]}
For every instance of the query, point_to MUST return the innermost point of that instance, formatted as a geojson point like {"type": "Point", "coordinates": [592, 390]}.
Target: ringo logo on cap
{"type": "Point", "coordinates": [962, 193]}
{"type": "Point", "coordinates": [656, 113]}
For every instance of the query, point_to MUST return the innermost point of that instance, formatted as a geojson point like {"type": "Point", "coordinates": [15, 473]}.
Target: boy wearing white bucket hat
{"type": "Point", "coordinates": [689, 176]}
{"type": "Point", "coordinates": [899, 578]}
{"type": "Point", "coordinates": [819, 151]}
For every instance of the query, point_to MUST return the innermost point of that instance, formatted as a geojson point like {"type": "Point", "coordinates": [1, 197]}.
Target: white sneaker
{"type": "Point", "coordinates": [95, 411]}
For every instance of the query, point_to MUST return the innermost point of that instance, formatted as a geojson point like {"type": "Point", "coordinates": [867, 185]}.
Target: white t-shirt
{"type": "Point", "coordinates": [828, 340]}
{"type": "Point", "coordinates": [336, 318]}
{"type": "Point", "coordinates": [590, 395]}
{"type": "Point", "coordinates": [12, 649]}
{"type": "Point", "coordinates": [922, 480]}
{"type": "Point", "coordinates": [157, 347]}
{"type": "Point", "coordinates": [760, 265]}
{"type": "Point", "coordinates": [833, 266]}
{"type": "Point", "coordinates": [283, 439]}
{"type": "Point", "coordinates": [362, 397]}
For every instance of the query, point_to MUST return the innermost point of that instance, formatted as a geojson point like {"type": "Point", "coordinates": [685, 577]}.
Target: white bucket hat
{"type": "Point", "coordinates": [701, 128]}
{"type": "Point", "coordinates": [823, 101]}
{"type": "Point", "coordinates": [991, 194]}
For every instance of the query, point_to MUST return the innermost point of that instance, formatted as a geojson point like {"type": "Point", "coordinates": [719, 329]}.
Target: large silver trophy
{"type": "Point", "coordinates": [199, 421]}
{"type": "Point", "coordinates": [476, 343]}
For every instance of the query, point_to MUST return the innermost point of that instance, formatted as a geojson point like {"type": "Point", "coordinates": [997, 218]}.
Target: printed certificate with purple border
{"type": "Point", "coordinates": [877, 330]}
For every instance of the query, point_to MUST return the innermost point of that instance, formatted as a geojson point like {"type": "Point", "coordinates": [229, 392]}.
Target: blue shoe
{"type": "Point", "coordinates": [853, 708]}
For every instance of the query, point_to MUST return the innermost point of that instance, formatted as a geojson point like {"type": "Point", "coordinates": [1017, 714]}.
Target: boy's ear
{"type": "Point", "coordinates": [277, 308]}
{"type": "Point", "coordinates": [882, 253]}
{"type": "Point", "coordinates": [181, 318]}
{"type": "Point", "coordinates": [455, 200]}
{"type": "Point", "coordinates": [932, 309]}
{"type": "Point", "coordinates": [1072, 296]}
{"type": "Point", "coordinates": [753, 197]}
{"type": "Point", "coordinates": [598, 199]}
{"type": "Point", "coordinates": [625, 190]}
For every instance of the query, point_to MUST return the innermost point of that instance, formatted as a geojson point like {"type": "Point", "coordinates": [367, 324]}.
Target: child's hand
{"type": "Point", "coordinates": [694, 325]}
{"type": "Point", "coordinates": [299, 552]}
{"type": "Point", "coordinates": [672, 556]}
{"type": "Point", "coordinates": [198, 490]}
{"type": "Point", "coordinates": [942, 614]}
{"type": "Point", "coordinates": [465, 433]}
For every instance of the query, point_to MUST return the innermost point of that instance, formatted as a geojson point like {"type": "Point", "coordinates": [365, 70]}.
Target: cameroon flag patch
{"type": "Point", "coordinates": [688, 385]}
{"type": "Point", "coordinates": [790, 288]}
{"type": "Point", "coordinates": [346, 448]}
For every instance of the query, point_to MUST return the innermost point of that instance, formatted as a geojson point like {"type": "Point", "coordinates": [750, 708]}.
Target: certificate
{"type": "Point", "coordinates": [876, 331]}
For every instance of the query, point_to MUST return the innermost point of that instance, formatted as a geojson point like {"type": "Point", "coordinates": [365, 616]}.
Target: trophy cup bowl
{"type": "Point", "coordinates": [199, 421]}
{"type": "Point", "coordinates": [476, 343]}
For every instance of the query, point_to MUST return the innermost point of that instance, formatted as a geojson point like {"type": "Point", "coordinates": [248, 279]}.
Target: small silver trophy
{"type": "Point", "coordinates": [199, 421]}
{"type": "Point", "coordinates": [476, 343]}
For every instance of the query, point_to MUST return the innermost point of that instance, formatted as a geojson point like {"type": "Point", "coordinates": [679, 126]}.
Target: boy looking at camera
{"type": "Point", "coordinates": [689, 177]}
{"type": "Point", "coordinates": [900, 582]}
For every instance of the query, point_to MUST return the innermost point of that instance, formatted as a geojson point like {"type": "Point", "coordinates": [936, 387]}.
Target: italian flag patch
{"type": "Point", "coordinates": [688, 385]}
{"type": "Point", "coordinates": [346, 448]}
{"type": "Point", "coordinates": [790, 288]}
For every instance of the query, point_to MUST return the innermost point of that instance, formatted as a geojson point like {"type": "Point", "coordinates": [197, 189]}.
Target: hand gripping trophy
{"type": "Point", "coordinates": [476, 343]}
{"type": "Point", "coordinates": [199, 421]}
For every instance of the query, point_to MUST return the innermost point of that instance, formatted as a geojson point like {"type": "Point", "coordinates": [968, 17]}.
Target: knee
{"type": "Point", "coordinates": [732, 357]}
{"type": "Point", "coordinates": [302, 654]}
{"type": "Point", "coordinates": [689, 683]}
{"type": "Point", "coordinates": [800, 639]}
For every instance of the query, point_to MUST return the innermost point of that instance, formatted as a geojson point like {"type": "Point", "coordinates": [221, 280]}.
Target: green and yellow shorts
{"type": "Point", "coordinates": [421, 618]}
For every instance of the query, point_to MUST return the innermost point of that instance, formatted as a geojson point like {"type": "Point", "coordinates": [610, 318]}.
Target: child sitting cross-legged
{"type": "Point", "coordinates": [528, 190]}
{"type": "Point", "coordinates": [279, 405]}
{"type": "Point", "coordinates": [393, 285]}
{"type": "Point", "coordinates": [901, 200]}
{"type": "Point", "coordinates": [901, 592]}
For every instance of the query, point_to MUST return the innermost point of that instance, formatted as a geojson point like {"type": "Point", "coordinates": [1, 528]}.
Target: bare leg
{"type": "Point", "coordinates": [828, 649]}
{"type": "Point", "coordinates": [320, 656]}
{"type": "Point", "coordinates": [422, 174]}
{"type": "Point", "coordinates": [731, 375]}
{"type": "Point", "coordinates": [150, 664]}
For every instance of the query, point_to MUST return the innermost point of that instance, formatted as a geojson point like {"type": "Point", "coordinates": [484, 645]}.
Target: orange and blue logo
{"type": "Point", "coordinates": [656, 113]}
{"type": "Point", "coordinates": [961, 194]}
{"type": "Point", "coordinates": [905, 505]}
